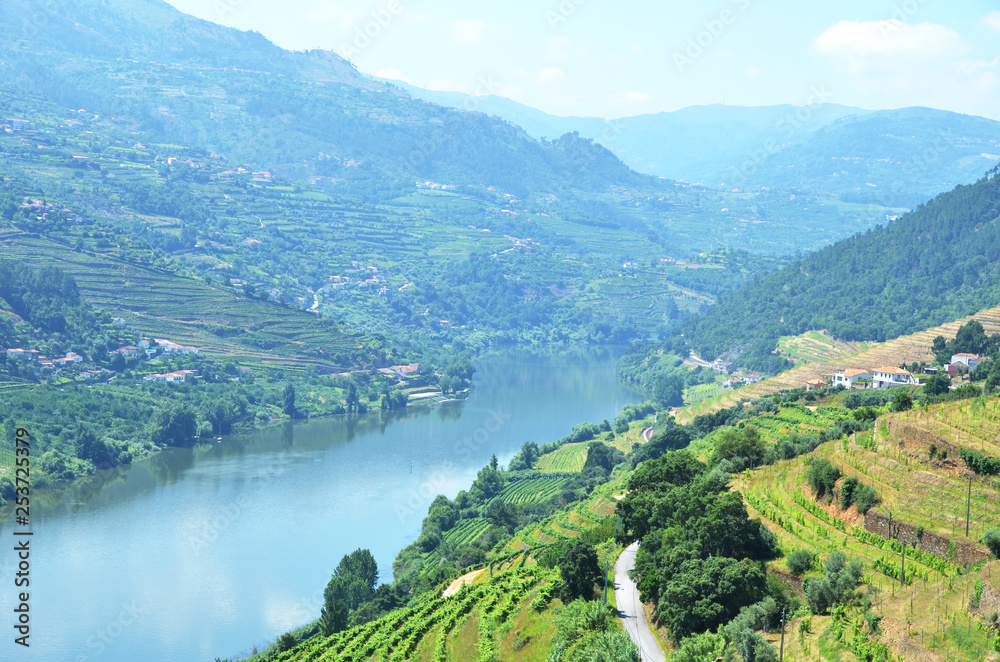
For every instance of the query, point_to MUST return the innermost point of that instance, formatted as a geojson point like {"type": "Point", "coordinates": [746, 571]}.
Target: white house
{"type": "Point", "coordinates": [890, 376]}
{"type": "Point", "coordinates": [847, 378]}
{"type": "Point", "coordinates": [969, 360]}
{"type": "Point", "coordinates": [722, 366]}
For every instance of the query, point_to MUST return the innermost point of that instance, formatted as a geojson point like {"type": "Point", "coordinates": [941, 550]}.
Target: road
{"type": "Point", "coordinates": [630, 609]}
{"type": "Point", "coordinates": [647, 434]}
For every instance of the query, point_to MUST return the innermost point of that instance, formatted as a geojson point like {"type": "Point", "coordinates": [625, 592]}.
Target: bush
{"type": "Point", "coordinates": [866, 498]}
{"type": "Point", "coordinates": [799, 562]}
{"type": "Point", "coordinates": [847, 490]}
{"type": "Point", "coordinates": [992, 540]}
{"type": "Point", "coordinates": [822, 476]}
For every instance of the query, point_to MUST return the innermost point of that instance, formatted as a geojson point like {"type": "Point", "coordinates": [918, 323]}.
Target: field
{"type": "Point", "coordinates": [906, 349]}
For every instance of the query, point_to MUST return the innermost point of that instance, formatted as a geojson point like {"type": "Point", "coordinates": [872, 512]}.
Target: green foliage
{"type": "Point", "coordinates": [706, 593]}
{"type": "Point", "coordinates": [579, 571]}
{"type": "Point", "coordinates": [352, 584]}
{"type": "Point", "coordinates": [837, 584]}
{"type": "Point", "coordinates": [980, 463]}
{"type": "Point", "coordinates": [603, 456]}
{"type": "Point", "coordinates": [822, 476]}
{"type": "Point", "coordinates": [288, 400]}
{"type": "Point", "coordinates": [991, 538]}
{"type": "Point", "coordinates": [937, 385]}
{"type": "Point", "coordinates": [800, 561]}
{"type": "Point", "coordinates": [587, 632]}
{"type": "Point", "coordinates": [743, 447]}
{"type": "Point", "coordinates": [700, 647]}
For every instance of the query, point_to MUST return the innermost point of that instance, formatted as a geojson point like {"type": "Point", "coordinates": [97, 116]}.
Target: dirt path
{"type": "Point", "coordinates": [467, 578]}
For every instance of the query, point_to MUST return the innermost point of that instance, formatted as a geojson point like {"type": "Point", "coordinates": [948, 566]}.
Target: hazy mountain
{"type": "Point", "coordinates": [895, 158]}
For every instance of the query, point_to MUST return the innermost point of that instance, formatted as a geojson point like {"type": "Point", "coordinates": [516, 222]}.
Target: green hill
{"type": "Point", "coordinates": [934, 265]}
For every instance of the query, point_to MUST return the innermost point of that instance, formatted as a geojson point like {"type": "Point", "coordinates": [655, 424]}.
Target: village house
{"type": "Point", "coordinates": [408, 370]}
{"type": "Point", "coordinates": [815, 384]}
{"type": "Point", "coordinates": [890, 376]}
{"type": "Point", "coordinates": [849, 377]}
{"type": "Point", "coordinates": [970, 361]}
{"type": "Point", "coordinates": [722, 366]}
{"type": "Point", "coordinates": [23, 354]}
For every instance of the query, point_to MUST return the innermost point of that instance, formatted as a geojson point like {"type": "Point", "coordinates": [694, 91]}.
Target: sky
{"type": "Point", "coordinates": [615, 59]}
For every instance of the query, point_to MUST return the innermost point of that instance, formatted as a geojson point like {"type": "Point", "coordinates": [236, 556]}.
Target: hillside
{"type": "Point", "coordinates": [935, 264]}
{"type": "Point", "coordinates": [909, 349]}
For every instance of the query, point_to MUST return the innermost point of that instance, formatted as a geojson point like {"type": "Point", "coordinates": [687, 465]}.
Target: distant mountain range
{"type": "Point", "coordinates": [895, 158]}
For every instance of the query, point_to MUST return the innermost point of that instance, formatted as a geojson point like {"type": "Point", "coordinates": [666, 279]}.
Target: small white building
{"type": "Point", "coordinates": [847, 378]}
{"type": "Point", "coordinates": [890, 376]}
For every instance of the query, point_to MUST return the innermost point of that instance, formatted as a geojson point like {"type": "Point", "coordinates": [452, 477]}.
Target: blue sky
{"type": "Point", "coordinates": [613, 59]}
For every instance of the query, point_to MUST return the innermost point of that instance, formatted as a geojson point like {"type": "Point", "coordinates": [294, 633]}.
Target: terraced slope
{"type": "Point", "coordinates": [905, 349]}
{"type": "Point", "coordinates": [188, 311]}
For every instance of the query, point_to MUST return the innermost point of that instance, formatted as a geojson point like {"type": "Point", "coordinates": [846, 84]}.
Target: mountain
{"type": "Point", "coordinates": [895, 158]}
{"type": "Point", "coordinates": [936, 264]}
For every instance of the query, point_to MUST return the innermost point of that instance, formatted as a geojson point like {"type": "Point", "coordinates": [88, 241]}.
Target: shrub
{"type": "Point", "coordinates": [992, 540]}
{"type": "Point", "coordinates": [865, 498]}
{"type": "Point", "coordinates": [822, 476]}
{"type": "Point", "coordinates": [799, 562]}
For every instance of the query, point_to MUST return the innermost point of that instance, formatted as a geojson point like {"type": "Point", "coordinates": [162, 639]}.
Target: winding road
{"type": "Point", "coordinates": [630, 608]}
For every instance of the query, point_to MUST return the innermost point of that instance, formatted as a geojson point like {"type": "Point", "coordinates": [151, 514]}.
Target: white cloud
{"type": "Point", "coordinates": [637, 49]}
{"type": "Point", "coordinates": [393, 74]}
{"type": "Point", "coordinates": [858, 41]}
{"type": "Point", "coordinates": [753, 71]}
{"type": "Point", "coordinates": [894, 64]}
{"type": "Point", "coordinates": [557, 48]}
{"type": "Point", "coordinates": [992, 20]}
{"type": "Point", "coordinates": [550, 75]}
{"type": "Point", "coordinates": [468, 31]}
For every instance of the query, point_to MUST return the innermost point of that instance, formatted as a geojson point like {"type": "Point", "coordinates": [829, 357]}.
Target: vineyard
{"type": "Point", "coordinates": [531, 491]}
{"type": "Point", "coordinates": [468, 625]}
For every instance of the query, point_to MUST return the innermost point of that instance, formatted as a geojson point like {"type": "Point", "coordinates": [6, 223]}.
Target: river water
{"type": "Point", "coordinates": [194, 554]}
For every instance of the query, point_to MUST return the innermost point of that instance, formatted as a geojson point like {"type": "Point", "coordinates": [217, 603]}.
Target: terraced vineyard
{"type": "Point", "coordinates": [531, 491]}
{"type": "Point", "coordinates": [569, 457]}
{"type": "Point", "coordinates": [779, 495]}
{"type": "Point", "coordinates": [594, 511]}
{"type": "Point", "coordinates": [439, 628]}
{"type": "Point", "coordinates": [188, 311]}
{"type": "Point", "coordinates": [912, 348]}
{"type": "Point", "coordinates": [817, 346]}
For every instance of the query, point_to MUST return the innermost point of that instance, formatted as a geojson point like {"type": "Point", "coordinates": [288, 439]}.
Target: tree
{"type": "Point", "coordinates": [743, 446]}
{"type": "Point", "coordinates": [352, 584]}
{"type": "Point", "coordinates": [937, 385]}
{"type": "Point", "coordinates": [174, 425]}
{"type": "Point", "coordinates": [836, 586]}
{"type": "Point", "coordinates": [992, 541]}
{"type": "Point", "coordinates": [600, 455]}
{"type": "Point", "coordinates": [289, 400]}
{"type": "Point", "coordinates": [333, 617]}
{"type": "Point", "coordinates": [799, 562]}
{"type": "Point", "coordinates": [902, 401]}
{"type": "Point", "coordinates": [822, 476]}
{"type": "Point", "coordinates": [579, 570]}
{"type": "Point", "coordinates": [706, 593]}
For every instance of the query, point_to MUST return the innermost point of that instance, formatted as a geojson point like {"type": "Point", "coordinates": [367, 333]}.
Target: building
{"type": "Point", "coordinates": [725, 367]}
{"type": "Point", "coordinates": [970, 361]}
{"type": "Point", "coordinates": [408, 370]}
{"type": "Point", "coordinates": [848, 378]}
{"type": "Point", "coordinates": [815, 384]}
{"type": "Point", "coordinates": [889, 377]}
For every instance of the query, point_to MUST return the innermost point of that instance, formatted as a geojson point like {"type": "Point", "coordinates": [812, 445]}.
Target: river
{"type": "Point", "coordinates": [194, 554]}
